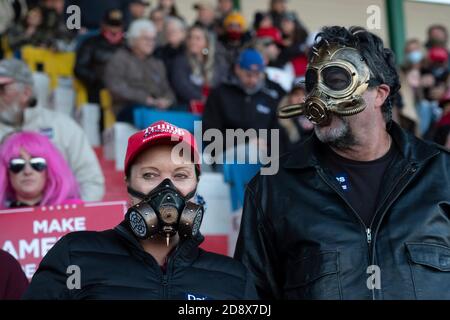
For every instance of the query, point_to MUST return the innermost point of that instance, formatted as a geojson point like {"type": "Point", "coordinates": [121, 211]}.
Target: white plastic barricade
{"type": "Point", "coordinates": [90, 122]}
{"type": "Point", "coordinates": [115, 141]}
{"type": "Point", "coordinates": [217, 221]}
{"type": "Point", "coordinates": [64, 96]}
{"type": "Point", "coordinates": [41, 88]}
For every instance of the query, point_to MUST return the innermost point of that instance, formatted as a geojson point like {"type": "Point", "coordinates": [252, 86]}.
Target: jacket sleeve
{"type": "Point", "coordinates": [83, 69]}
{"type": "Point", "coordinates": [13, 282]}
{"type": "Point", "coordinates": [255, 248]}
{"type": "Point", "coordinates": [250, 292]}
{"type": "Point", "coordinates": [83, 161]}
{"type": "Point", "coordinates": [181, 82]}
{"type": "Point", "coordinates": [113, 79]}
{"type": "Point", "coordinates": [50, 280]}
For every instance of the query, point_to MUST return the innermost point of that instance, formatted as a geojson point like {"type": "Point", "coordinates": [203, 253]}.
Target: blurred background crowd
{"type": "Point", "coordinates": [133, 62]}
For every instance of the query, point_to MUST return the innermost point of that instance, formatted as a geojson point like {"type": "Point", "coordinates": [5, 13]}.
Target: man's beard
{"type": "Point", "coordinates": [339, 137]}
{"type": "Point", "coordinates": [255, 89]}
{"type": "Point", "coordinates": [11, 115]}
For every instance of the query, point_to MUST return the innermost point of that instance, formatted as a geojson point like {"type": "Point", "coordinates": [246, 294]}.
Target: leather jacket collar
{"type": "Point", "coordinates": [412, 149]}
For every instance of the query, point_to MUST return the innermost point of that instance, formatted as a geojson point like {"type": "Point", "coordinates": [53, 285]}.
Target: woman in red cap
{"type": "Point", "coordinates": [154, 253]}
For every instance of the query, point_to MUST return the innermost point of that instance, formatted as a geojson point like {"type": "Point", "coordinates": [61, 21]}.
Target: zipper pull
{"type": "Point", "coordinates": [369, 235]}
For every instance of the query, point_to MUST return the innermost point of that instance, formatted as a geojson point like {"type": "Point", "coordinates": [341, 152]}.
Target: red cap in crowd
{"type": "Point", "coordinates": [272, 33]}
{"type": "Point", "coordinates": [437, 54]}
{"type": "Point", "coordinates": [160, 132]}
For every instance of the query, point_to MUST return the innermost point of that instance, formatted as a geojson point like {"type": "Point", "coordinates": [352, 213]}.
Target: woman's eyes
{"type": "Point", "coordinates": [181, 176]}
{"type": "Point", "coordinates": [149, 175]}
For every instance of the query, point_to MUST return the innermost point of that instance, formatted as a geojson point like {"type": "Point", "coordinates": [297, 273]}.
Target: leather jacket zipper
{"type": "Point", "coordinates": [367, 230]}
{"type": "Point", "coordinates": [409, 169]}
{"type": "Point", "coordinates": [369, 235]}
{"type": "Point", "coordinates": [165, 284]}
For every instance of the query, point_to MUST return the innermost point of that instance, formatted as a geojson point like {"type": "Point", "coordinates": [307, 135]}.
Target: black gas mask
{"type": "Point", "coordinates": [166, 212]}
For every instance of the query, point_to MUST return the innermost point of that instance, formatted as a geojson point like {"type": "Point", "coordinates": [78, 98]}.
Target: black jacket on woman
{"type": "Point", "coordinates": [114, 265]}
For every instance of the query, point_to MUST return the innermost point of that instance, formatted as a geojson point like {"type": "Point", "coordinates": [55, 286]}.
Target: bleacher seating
{"type": "Point", "coordinates": [109, 118]}
{"type": "Point", "coordinates": [56, 65]}
{"type": "Point", "coordinates": [238, 176]}
{"type": "Point", "coordinates": [144, 116]}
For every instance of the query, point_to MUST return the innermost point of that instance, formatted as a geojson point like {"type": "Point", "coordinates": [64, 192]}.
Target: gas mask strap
{"type": "Point", "coordinates": [190, 194]}
{"type": "Point", "coordinates": [291, 111]}
{"type": "Point", "coordinates": [136, 193]}
{"type": "Point", "coordinates": [143, 196]}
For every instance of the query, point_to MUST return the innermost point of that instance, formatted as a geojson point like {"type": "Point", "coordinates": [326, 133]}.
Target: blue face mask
{"type": "Point", "coordinates": [415, 57]}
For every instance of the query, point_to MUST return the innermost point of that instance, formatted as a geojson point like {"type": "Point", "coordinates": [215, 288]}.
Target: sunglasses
{"type": "Point", "coordinates": [18, 164]}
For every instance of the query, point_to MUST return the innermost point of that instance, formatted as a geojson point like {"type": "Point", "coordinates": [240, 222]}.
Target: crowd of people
{"type": "Point", "coordinates": [234, 73]}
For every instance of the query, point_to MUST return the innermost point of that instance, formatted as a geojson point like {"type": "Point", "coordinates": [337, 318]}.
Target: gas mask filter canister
{"type": "Point", "coordinates": [164, 211]}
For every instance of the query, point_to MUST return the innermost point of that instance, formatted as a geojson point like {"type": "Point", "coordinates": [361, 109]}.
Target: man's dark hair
{"type": "Point", "coordinates": [381, 60]}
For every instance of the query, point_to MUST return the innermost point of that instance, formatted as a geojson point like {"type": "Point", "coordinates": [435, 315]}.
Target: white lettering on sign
{"type": "Point", "coordinates": [29, 248]}
{"type": "Point", "coordinates": [37, 248]}
{"type": "Point", "coordinates": [9, 247]}
{"type": "Point", "coordinates": [62, 225]}
{"type": "Point", "coordinates": [29, 270]}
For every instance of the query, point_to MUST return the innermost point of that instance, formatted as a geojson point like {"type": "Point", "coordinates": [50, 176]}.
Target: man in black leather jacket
{"type": "Point", "coordinates": [362, 209]}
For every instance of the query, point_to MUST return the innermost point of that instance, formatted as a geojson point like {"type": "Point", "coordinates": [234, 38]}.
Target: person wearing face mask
{"type": "Point", "coordinates": [95, 52]}
{"type": "Point", "coordinates": [360, 209]}
{"type": "Point", "coordinates": [154, 253]}
{"type": "Point", "coordinates": [437, 57]}
{"type": "Point", "coordinates": [414, 59]}
{"type": "Point", "coordinates": [235, 35]}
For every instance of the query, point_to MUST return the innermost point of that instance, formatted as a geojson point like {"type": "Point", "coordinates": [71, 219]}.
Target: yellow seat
{"type": "Point", "coordinates": [81, 93]}
{"type": "Point", "coordinates": [109, 117]}
{"type": "Point", "coordinates": [55, 65]}
{"type": "Point", "coordinates": [7, 52]}
{"type": "Point", "coordinates": [59, 64]}
{"type": "Point", "coordinates": [34, 56]}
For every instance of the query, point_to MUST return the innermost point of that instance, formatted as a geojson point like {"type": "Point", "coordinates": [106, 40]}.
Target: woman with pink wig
{"type": "Point", "coordinates": [34, 173]}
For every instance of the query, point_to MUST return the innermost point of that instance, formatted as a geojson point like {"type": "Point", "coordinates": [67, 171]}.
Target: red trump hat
{"type": "Point", "coordinates": [160, 132]}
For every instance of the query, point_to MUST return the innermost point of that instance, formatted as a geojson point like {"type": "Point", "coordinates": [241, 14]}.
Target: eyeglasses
{"type": "Point", "coordinates": [18, 164]}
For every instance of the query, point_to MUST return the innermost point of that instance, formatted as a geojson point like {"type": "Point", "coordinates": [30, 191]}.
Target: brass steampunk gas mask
{"type": "Point", "coordinates": [335, 80]}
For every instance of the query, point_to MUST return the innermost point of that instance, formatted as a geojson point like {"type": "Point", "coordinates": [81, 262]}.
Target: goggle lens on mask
{"type": "Point", "coordinates": [18, 164]}
{"type": "Point", "coordinates": [336, 78]}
